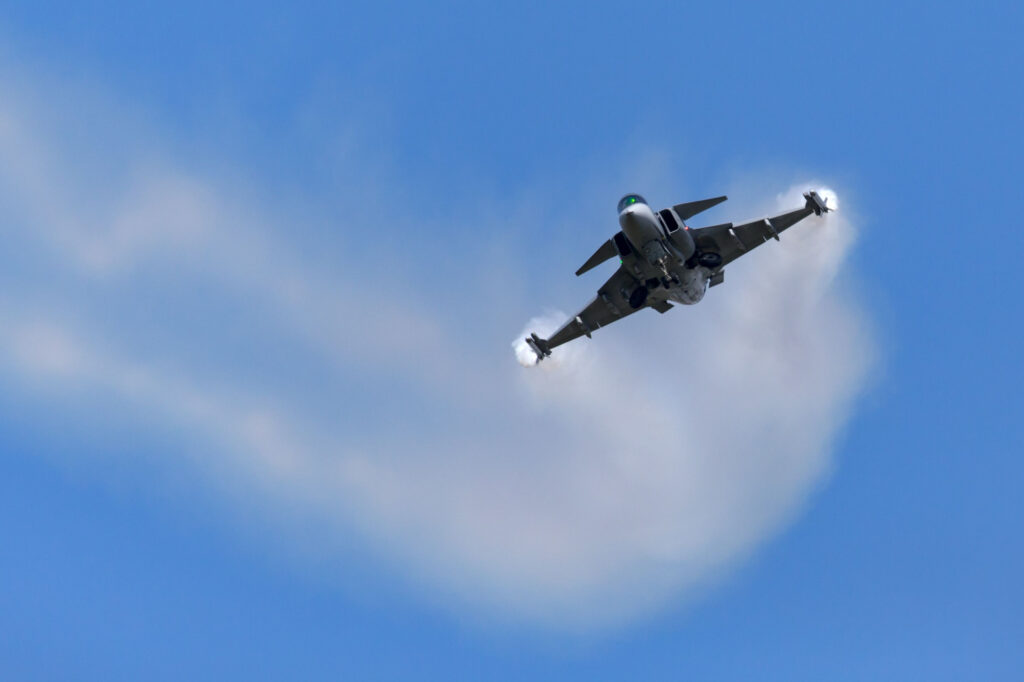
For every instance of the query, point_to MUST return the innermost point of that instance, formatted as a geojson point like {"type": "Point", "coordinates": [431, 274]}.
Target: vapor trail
{"type": "Point", "coordinates": [613, 480]}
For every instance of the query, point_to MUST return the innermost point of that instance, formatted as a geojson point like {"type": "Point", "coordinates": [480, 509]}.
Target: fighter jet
{"type": "Point", "coordinates": [663, 261]}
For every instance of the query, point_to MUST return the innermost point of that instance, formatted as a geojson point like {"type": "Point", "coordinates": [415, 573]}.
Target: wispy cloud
{"type": "Point", "coordinates": [580, 493]}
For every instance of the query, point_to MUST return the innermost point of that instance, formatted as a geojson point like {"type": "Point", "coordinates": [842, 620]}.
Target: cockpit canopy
{"type": "Point", "coordinates": [629, 200]}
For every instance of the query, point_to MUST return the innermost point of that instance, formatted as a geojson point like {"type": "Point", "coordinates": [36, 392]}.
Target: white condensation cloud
{"type": "Point", "coordinates": [648, 460]}
{"type": "Point", "coordinates": [612, 480]}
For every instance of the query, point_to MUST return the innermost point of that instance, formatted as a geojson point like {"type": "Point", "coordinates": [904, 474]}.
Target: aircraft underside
{"type": "Point", "coordinates": [664, 261]}
{"type": "Point", "coordinates": [682, 285]}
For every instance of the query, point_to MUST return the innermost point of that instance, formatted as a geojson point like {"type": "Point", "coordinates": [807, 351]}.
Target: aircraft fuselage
{"type": "Point", "coordinates": [664, 258]}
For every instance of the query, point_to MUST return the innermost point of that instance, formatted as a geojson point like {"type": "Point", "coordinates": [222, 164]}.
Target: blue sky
{"type": "Point", "coordinates": [262, 266]}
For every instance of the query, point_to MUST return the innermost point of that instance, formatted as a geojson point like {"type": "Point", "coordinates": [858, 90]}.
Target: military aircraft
{"type": "Point", "coordinates": [664, 261]}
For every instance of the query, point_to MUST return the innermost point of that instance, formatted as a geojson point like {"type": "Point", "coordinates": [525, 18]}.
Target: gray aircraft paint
{"type": "Point", "coordinates": [664, 261]}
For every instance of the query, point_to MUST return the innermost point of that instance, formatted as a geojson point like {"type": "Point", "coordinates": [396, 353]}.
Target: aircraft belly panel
{"type": "Point", "coordinates": [691, 287]}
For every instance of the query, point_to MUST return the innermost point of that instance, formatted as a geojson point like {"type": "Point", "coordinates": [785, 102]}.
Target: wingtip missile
{"type": "Point", "coordinates": [539, 346]}
{"type": "Point", "coordinates": [816, 203]}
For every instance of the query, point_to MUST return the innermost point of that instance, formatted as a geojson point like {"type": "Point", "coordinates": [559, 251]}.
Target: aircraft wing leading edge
{"type": "Point", "coordinates": [732, 241]}
{"type": "Point", "coordinates": [692, 208]}
{"type": "Point", "coordinates": [610, 305]}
